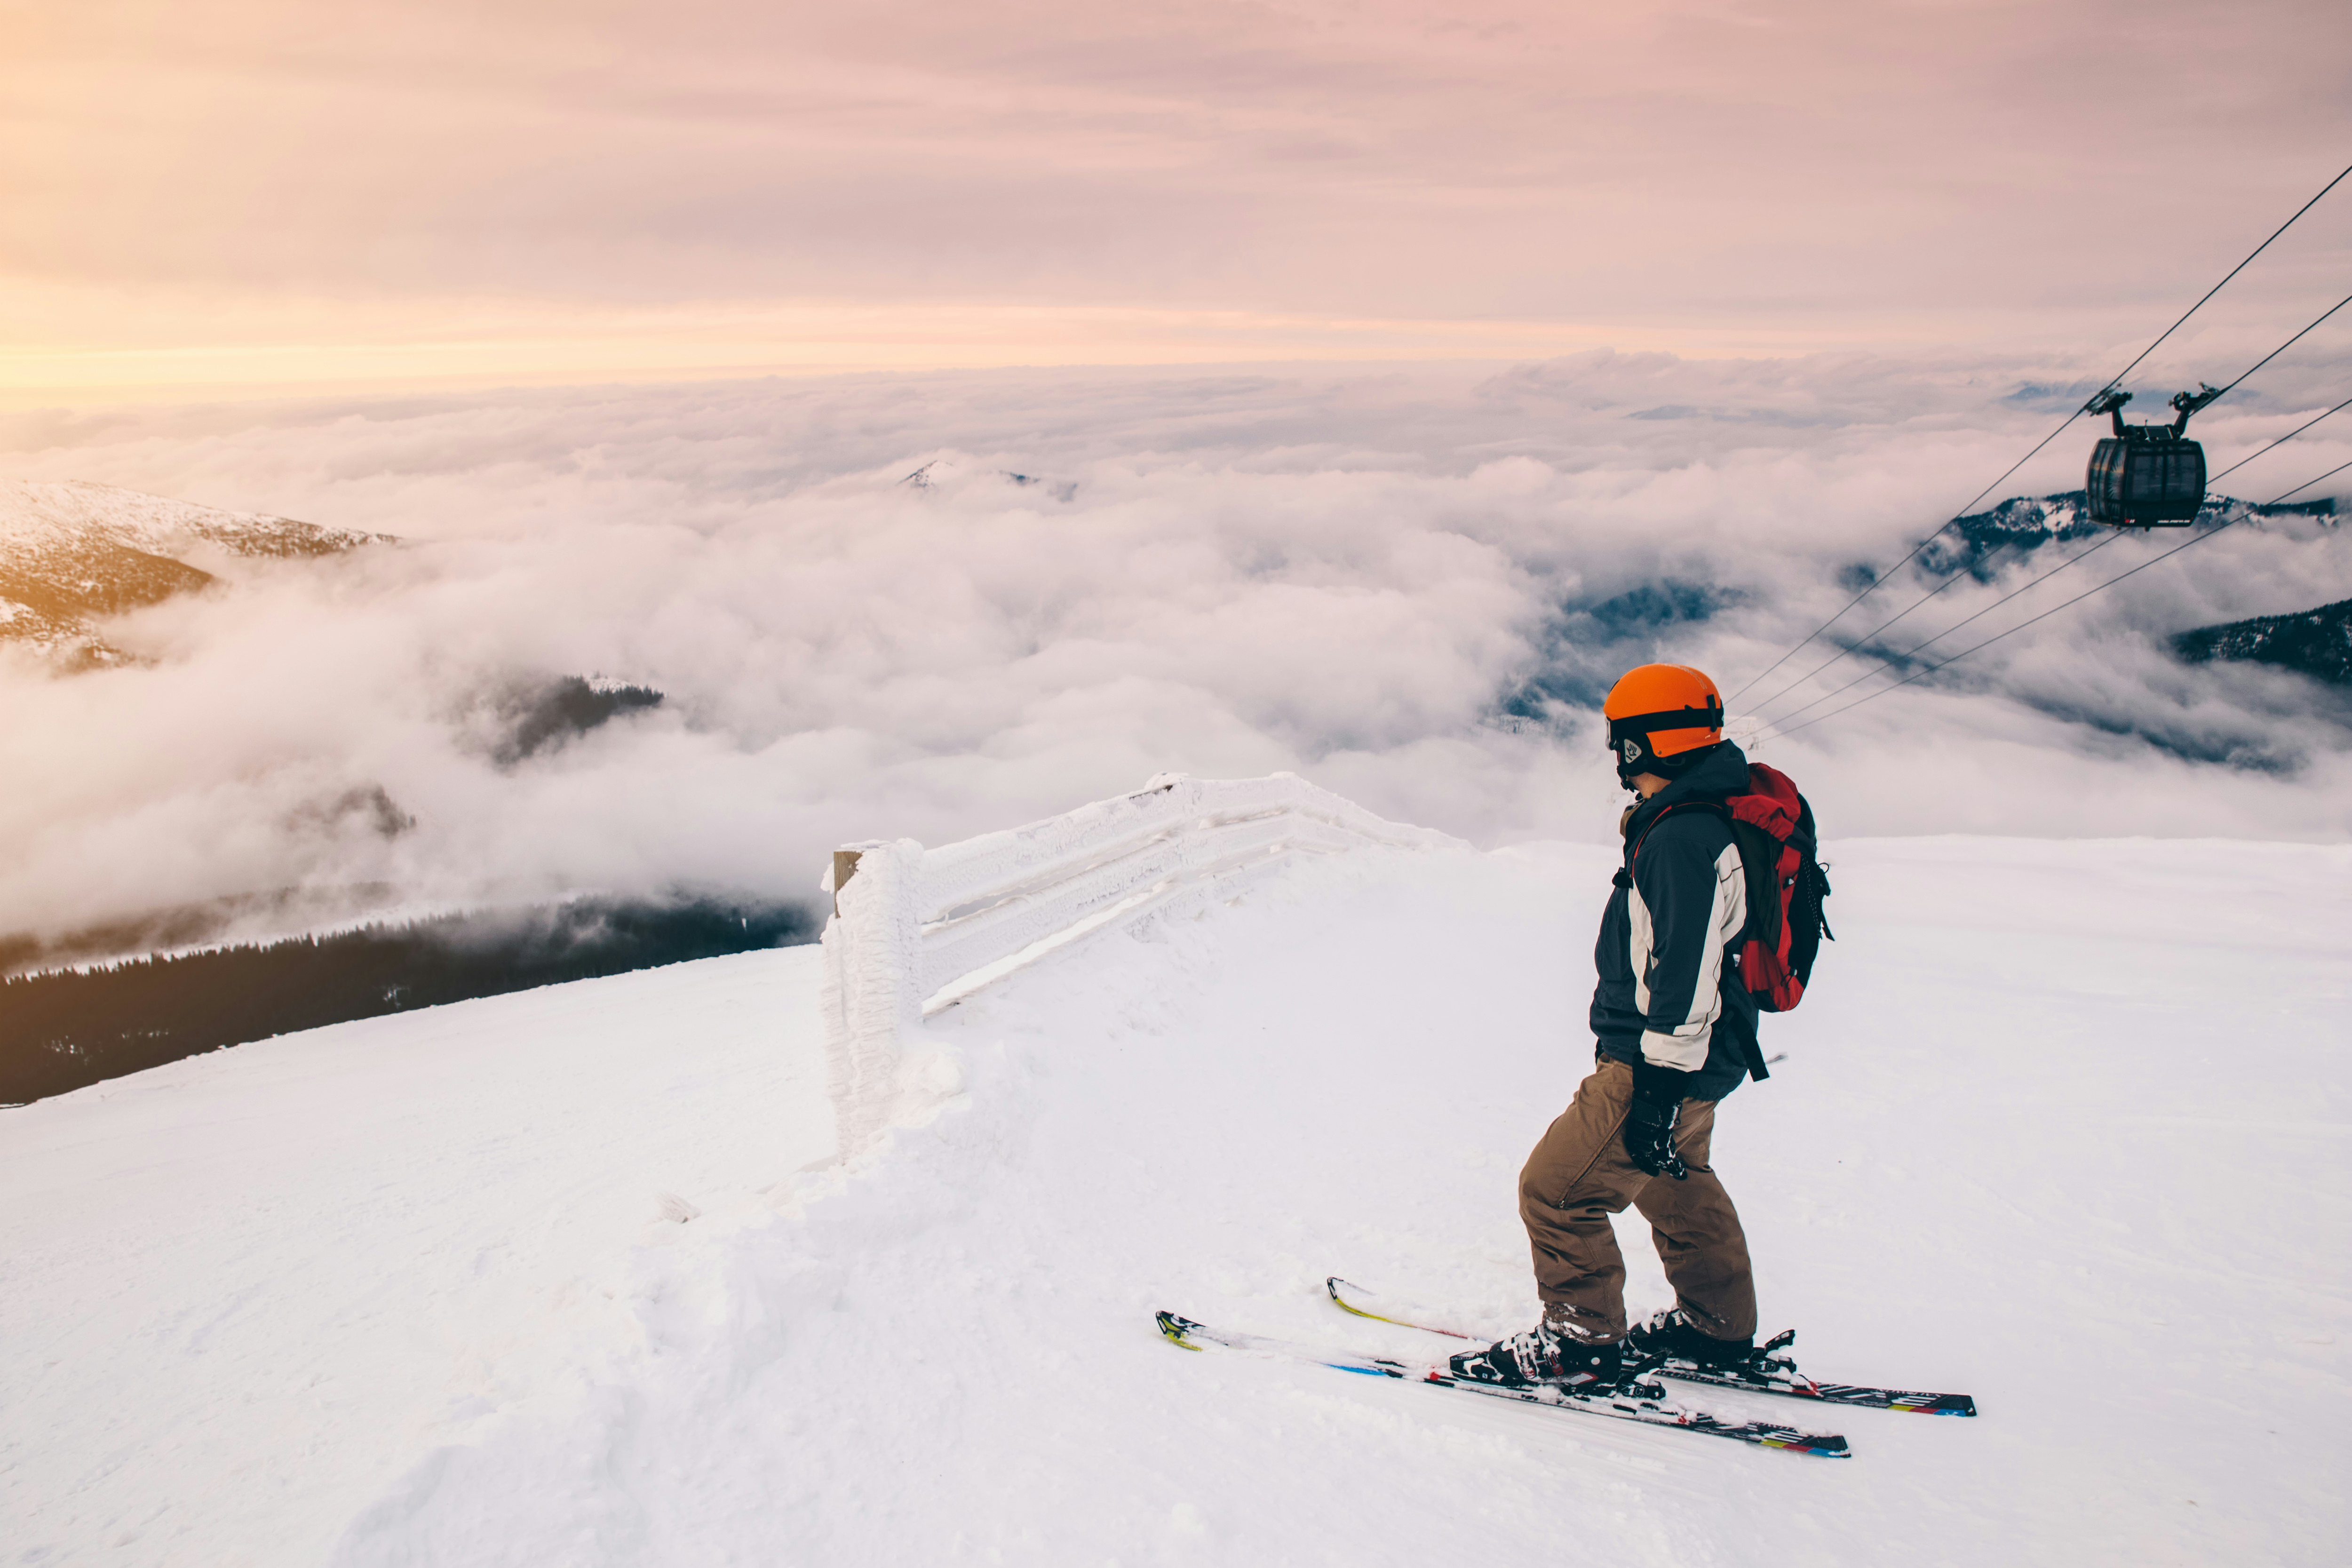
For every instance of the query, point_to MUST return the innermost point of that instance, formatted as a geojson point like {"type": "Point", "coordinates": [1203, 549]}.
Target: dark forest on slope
{"type": "Point", "coordinates": [2315, 642]}
{"type": "Point", "coordinates": [66, 1028]}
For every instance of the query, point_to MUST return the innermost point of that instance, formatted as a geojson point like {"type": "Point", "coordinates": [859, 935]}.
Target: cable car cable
{"type": "Point", "coordinates": [2266, 359]}
{"type": "Point", "coordinates": [1865, 640]}
{"type": "Point", "coordinates": [2284, 439]}
{"type": "Point", "coordinates": [2080, 555]}
{"type": "Point", "coordinates": [2185, 544]}
{"type": "Point", "coordinates": [1859, 643]}
{"type": "Point", "coordinates": [2240, 266]}
{"type": "Point", "coordinates": [1909, 556]}
{"type": "Point", "coordinates": [2054, 434]}
{"type": "Point", "coordinates": [1774, 730]}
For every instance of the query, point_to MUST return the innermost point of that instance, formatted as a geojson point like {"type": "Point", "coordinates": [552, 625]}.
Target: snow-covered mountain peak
{"type": "Point", "coordinates": [47, 516]}
{"type": "Point", "coordinates": [72, 553]}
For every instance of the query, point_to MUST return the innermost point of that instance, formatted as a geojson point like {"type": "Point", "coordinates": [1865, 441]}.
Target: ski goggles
{"type": "Point", "coordinates": [1629, 737]}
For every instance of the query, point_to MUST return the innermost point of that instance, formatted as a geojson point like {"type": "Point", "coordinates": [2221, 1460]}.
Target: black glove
{"type": "Point", "coordinates": [1651, 1123]}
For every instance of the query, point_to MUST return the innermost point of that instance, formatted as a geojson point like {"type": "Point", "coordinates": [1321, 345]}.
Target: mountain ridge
{"type": "Point", "coordinates": [2315, 642]}
{"type": "Point", "coordinates": [73, 553]}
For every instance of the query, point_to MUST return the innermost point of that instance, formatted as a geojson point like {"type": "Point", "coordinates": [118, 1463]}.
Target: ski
{"type": "Point", "coordinates": [1769, 1372]}
{"type": "Point", "coordinates": [1192, 1336]}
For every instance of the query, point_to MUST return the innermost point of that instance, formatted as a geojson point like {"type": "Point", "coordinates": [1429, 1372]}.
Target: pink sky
{"type": "Point", "coordinates": [260, 193]}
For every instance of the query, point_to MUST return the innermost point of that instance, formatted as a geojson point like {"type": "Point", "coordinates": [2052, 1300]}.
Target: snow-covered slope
{"type": "Point", "coordinates": [71, 554]}
{"type": "Point", "coordinates": [246, 1290]}
{"type": "Point", "coordinates": [2062, 1125]}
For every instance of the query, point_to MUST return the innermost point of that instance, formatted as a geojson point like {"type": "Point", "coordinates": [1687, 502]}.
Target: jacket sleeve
{"type": "Point", "coordinates": [1688, 901]}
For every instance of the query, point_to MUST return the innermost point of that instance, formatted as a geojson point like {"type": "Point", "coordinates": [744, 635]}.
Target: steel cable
{"type": "Point", "coordinates": [1912, 652]}
{"type": "Point", "coordinates": [1909, 556]}
{"type": "Point", "coordinates": [2186, 544]}
{"type": "Point", "coordinates": [2282, 441]}
{"type": "Point", "coordinates": [1865, 639]}
{"type": "Point", "coordinates": [1912, 554]}
{"type": "Point", "coordinates": [2240, 266]}
{"type": "Point", "coordinates": [1773, 729]}
{"type": "Point", "coordinates": [2266, 359]}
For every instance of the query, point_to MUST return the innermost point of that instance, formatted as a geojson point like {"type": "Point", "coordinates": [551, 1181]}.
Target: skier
{"type": "Point", "coordinates": [1676, 1030]}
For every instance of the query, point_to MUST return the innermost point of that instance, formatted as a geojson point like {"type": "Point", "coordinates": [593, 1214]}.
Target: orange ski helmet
{"type": "Point", "coordinates": [1658, 715]}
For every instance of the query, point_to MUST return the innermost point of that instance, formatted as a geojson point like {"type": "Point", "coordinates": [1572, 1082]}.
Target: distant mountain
{"type": "Point", "coordinates": [2028, 523]}
{"type": "Point", "coordinates": [2317, 642]}
{"type": "Point", "coordinates": [73, 554]}
{"type": "Point", "coordinates": [535, 716]}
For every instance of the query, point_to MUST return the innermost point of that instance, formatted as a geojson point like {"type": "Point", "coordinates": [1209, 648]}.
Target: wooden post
{"type": "Point", "coordinates": [844, 867]}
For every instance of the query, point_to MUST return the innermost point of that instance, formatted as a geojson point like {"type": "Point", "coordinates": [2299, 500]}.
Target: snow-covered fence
{"type": "Point", "coordinates": [914, 931]}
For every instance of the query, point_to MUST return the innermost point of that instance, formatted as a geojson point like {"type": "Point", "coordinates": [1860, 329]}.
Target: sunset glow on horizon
{"type": "Point", "coordinates": [411, 193]}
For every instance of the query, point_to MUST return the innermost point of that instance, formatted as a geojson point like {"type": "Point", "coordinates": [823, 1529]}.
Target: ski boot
{"type": "Point", "coordinates": [1670, 1336]}
{"type": "Point", "coordinates": [1547, 1354]}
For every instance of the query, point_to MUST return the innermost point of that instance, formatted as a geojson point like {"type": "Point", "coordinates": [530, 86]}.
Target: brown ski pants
{"type": "Point", "coordinates": [1579, 1175]}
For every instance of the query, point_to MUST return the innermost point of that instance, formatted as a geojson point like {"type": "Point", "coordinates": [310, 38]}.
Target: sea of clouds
{"type": "Point", "coordinates": [926, 606]}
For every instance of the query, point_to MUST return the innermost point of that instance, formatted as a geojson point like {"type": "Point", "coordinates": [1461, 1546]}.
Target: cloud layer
{"type": "Point", "coordinates": [1404, 584]}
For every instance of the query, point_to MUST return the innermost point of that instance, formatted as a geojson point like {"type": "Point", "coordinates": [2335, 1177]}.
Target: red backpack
{"type": "Point", "coordinates": [1774, 827]}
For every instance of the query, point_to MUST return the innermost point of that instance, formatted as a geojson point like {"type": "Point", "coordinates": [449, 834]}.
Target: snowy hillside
{"type": "Point", "coordinates": [2026, 523]}
{"type": "Point", "coordinates": [2062, 1125]}
{"type": "Point", "coordinates": [73, 553]}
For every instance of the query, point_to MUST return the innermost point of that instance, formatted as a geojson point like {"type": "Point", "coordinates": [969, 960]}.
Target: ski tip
{"type": "Point", "coordinates": [1333, 1285]}
{"type": "Point", "coordinates": [1176, 1330]}
{"type": "Point", "coordinates": [1937, 1405]}
{"type": "Point", "coordinates": [1827, 1444]}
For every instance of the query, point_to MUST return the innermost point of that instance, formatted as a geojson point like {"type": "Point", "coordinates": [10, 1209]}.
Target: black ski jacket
{"type": "Point", "coordinates": [1669, 990]}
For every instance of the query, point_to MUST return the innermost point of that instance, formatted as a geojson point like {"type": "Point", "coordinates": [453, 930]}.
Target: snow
{"type": "Point", "coordinates": [2063, 1125]}
{"type": "Point", "coordinates": [916, 931]}
{"type": "Point", "coordinates": [73, 553]}
{"type": "Point", "coordinates": [37, 519]}
{"type": "Point", "coordinates": [244, 1290]}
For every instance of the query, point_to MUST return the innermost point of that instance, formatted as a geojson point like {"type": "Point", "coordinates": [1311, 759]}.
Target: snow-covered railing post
{"type": "Point", "coordinates": [916, 931]}
{"type": "Point", "coordinates": [873, 961]}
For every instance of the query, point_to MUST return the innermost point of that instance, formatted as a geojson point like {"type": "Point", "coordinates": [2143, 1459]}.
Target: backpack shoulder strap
{"type": "Point", "coordinates": [1759, 863]}
{"type": "Point", "coordinates": [1714, 807]}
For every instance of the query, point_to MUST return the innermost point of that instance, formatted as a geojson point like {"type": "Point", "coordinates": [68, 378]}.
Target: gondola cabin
{"type": "Point", "coordinates": [2147, 474]}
